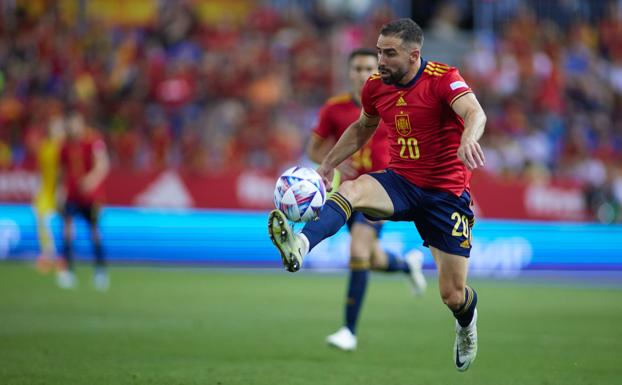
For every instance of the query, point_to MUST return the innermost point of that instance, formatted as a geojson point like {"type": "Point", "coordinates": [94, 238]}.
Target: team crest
{"type": "Point", "coordinates": [402, 124]}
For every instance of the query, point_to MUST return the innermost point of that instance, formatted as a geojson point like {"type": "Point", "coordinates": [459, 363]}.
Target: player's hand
{"type": "Point", "coordinates": [61, 197]}
{"type": "Point", "coordinates": [87, 185]}
{"type": "Point", "coordinates": [327, 174]}
{"type": "Point", "coordinates": [471, 154]}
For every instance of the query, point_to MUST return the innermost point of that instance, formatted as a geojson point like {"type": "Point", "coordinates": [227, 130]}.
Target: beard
{"type": "Point", "coordinates": [391, 77]}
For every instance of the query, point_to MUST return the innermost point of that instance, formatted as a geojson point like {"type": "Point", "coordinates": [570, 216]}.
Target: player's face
{"type": "Point", "coordinates": [75, 126]}
{"type": "Point", "coordinates": [395, 59]}
{"type": "Point", "coordinates": [361, 68]}
{"type": "Point", "coordinates": [55, 128]}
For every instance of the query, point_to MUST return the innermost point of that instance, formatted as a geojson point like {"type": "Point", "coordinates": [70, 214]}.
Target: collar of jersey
{"type": "Point", "coordinates": [414, 80]}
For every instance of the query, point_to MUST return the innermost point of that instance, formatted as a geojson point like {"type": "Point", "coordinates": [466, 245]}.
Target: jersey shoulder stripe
{"type": "Point", "coordinates": [436, 69]}
{"type": "Point", "coordinates": [338, 99]}
{"type": "Point", "coordinates": [439, 65]}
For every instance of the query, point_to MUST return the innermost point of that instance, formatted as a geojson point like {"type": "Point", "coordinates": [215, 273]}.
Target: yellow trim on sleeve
{"type": "Point", "coordinates": [459, 95]}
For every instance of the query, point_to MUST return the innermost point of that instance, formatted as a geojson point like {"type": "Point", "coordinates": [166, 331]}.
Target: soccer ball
{"type": "Point", "coordinates": [300, 194]}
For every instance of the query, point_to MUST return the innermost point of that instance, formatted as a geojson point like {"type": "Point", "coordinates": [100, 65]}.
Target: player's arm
{"type": "Point", "coordinates": [469, 109]}
{"type": "Point", "coordinates": [101, 166]}
{"type": "Point", "coordinates": [318, 147]}
{"type": "Point", "coordinates": [354, 137]}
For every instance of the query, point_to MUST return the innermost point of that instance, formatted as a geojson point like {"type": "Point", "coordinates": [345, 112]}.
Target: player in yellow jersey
{"type": "Point", "coordinates": [44, 202]}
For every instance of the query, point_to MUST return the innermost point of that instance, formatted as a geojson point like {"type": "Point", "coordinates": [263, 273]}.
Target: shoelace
{"type": "Point", "coordinates": [466, 339]}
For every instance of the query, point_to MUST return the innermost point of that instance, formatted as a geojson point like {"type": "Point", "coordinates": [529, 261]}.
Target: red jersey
{"type": "Point", "coordinates": [336, 115]}
{"type": "Point", "coordinates": [424, 132]}
{"type": "Point", "coordinates": [77, 160]}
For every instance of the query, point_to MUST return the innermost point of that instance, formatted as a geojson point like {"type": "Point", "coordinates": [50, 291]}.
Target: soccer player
{"type": "Point", "coordinates": [365, 250]}
{"type": "Point", "coordinates": [435, 122]}
{"type": "Point", "coordinates": [84, 165]}
{"type": "Point", "coordinates": [44, 202]}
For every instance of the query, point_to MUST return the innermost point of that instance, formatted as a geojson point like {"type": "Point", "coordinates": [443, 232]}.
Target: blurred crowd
{"type": "Point", "coordinates": [204, 98]}
{"type": "Point", "coordinates": [230, 95]}
{"type": "Point", "coordinates": [552, 90]}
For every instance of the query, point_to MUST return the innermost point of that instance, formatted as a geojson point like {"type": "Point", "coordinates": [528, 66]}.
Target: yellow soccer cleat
{"type": "Point", "coordinates": [286, 241]}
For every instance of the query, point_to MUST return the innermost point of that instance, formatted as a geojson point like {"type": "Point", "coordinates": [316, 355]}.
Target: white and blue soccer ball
{"type": "Point", "coordinates": [300, 194]}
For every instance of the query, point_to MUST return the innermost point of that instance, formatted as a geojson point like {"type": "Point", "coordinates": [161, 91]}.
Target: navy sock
{"type": "Point", "coordinates": [396, 263]}
{"type": "Point", "coordinates": [356, 292]}
{"type": "Point", "coordinates": [68, 254]}
{"type": "Point", "coordinates": [334, 214]}
{"type": "Point", "coordinates": [464, 314]}
{"type": "Point", "coordinates": [98, 250]}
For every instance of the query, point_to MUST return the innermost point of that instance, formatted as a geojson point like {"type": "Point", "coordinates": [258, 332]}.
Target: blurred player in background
{"type": "Point", "coordinates": [84, 165]}
{"type": "Point", "coordinates": [365, 249]}
{"type": "Point", "coordinates": [44, 203]}
{"type": "Point", "coordinates": [435, 122]}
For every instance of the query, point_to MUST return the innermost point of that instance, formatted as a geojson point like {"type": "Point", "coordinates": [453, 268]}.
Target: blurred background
{"type": "Point", "coordinates": [202, 104]}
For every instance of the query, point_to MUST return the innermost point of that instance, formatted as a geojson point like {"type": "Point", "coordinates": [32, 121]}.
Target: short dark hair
{"type": "Point", "coordinates": [362, 52]}
{"type": "Point", "coordinates": [406, 29]}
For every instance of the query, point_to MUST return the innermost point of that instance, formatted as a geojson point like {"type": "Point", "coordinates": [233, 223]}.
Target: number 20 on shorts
{"type": "Point", "coordinates": [460, 220]}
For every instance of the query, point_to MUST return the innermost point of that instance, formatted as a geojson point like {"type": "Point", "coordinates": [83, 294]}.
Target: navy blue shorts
{"type": "Point", "coordinates": [359, 217]}
{"type": "Point", "coordinates": [90, 212]}
{"type": "Point", "coordinates": [443, 220]}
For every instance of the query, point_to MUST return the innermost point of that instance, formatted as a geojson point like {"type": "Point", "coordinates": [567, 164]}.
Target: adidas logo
{"type": "Point", "coordinates": [400, 102]}
{"type": "Point", "coordinates": [465, 244]}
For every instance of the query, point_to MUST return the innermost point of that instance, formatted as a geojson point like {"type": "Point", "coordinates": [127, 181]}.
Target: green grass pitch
{"type": "Point", "coordinates": [226, 327]}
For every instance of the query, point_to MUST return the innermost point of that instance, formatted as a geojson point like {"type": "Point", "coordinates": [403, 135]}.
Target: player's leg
{"type": "Point", "coordinates": [68, 241]}
{"type": "Point", "coordinates": [384, 260]}
{"type": "Point", "coordinates": [363, 239]}
{"type": "Point", "coordinates": [445, 226]}
{"type": "Point", "coordinates": [101, 281]}
{"type": "Point", "coordinates": [45, 261]}
{"type": "Point", "coordinates": [365, 194]}
{"type": "Point", "coordinates": [461, 300]}
{"type": "Point", "coordinates": [66, 277]}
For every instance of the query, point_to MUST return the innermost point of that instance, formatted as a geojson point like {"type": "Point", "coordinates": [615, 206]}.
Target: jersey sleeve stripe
{"type": "Point", "coordinates": [459, 95]}
{"type": "Point", "coordinates": [369, 115]}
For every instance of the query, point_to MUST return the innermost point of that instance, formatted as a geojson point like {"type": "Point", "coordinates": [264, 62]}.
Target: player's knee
{"type": "Point", "coordinates": [361, 252]}
{"type": "Point", "coordinates": [452, 297]}
{"type": "Point", "coordinates": [351, 191]}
